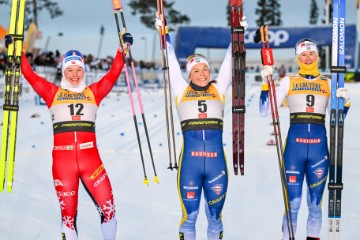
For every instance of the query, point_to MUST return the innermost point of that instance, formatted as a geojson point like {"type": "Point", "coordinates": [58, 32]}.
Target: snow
{"type": "Point", "coordinates": [254, 204]}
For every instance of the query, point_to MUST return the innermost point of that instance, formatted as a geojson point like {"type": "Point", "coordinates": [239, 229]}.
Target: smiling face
{"type": "Point", "coordinates": [74, 74]}
{"type": "Point", "coordinates": [200, 75]}
{"type": "Point", "coordinates": [308, 57]}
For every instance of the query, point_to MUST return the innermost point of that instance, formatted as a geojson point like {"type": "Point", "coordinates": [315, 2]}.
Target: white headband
{"type": "Point", "coordinates": [195, 59]}
{"type": "Point", "coordinates": [72, 60]}
{"type": "Point", "coordinates": [305, 46]}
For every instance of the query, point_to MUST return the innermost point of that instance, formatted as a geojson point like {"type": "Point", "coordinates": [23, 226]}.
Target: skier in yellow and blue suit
{"type": "Point", "coordinates": [202, 165]}
{"type": "Point", "coordinates": [306, 153]}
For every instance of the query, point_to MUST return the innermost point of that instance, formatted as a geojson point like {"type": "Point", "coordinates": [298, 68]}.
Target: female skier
{"type": "Point", "coordinates": [73, 107]}
{"type": "Point", "coordinates": [202, 166]}
{"type": "Point", "coordinates": [306, 153]}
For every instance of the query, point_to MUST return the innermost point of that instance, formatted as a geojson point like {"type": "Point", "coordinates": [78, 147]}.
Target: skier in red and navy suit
{"type": "Point", "coordinates": [73, 107]}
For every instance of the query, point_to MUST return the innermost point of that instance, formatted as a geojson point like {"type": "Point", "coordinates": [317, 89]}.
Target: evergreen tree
{"type": "Point", "coordinates": [33, 7]}
{"type": "Point", "coordinates": [314, 13]}
{"type": "Point", "coordinates": [268, 12]}
{"type": "Point", "coordinates": [275, 18]}
{"type": "Point", "coordinates": [146, 10]}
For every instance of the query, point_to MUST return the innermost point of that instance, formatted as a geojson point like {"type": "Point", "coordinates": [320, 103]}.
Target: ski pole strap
{"type": "Point", "coordinates": [17, 36]}
{"type": "Point", "coordinates": [72, 126]}
{"type": "Point", "coordinates": [307, 118]}
{"type": "Point", "coordinates": [11, 107]}
{"type": "Point", "coordinates": [200, 124]}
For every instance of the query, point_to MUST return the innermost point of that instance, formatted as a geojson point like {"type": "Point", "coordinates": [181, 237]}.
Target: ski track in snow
{"type": "Point", "coordinates": [254, 203]}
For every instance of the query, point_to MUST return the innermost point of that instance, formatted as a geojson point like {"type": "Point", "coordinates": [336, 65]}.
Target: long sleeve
{"type": "Point", "coordinates": [106, 83]}
{"type": "Point", "coordinates": [225, 73]}
{"type": "Point", "coordinates": [177, 81]}
{"type": "Point", "coordinates": [281, 92]}
{"type": "Point", "coordinates": [41, 86]}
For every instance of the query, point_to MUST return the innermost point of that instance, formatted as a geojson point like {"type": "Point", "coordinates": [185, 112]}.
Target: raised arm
{"type": "Point", "coordinates": [41, 86]}
{"type": "Point", "coordinates": [106, 83]}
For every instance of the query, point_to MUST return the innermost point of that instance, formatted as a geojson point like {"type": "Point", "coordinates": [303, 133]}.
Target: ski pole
{"type": "Point", "coordinates": [156, 179]}
{"type": "Point", "coordinates": [167, 88]}
{"type": "Point", "coordinates": [117, 7]}
{"type": "Point", "coordinates": [267, 59]}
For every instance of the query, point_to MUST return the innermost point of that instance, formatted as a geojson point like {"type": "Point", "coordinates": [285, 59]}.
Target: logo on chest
{"type": "Point", "coordinates": [199, 94]}
{"type": "Point", "coordinates": [72, 96]}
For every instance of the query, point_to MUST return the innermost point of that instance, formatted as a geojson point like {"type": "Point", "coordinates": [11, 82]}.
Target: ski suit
{"type": "Point", "coordinates": [202, 164]}
{"type": "Point", "coordinates": [306, 152]}
{"type": "Point", "coordinates": [75, 154]}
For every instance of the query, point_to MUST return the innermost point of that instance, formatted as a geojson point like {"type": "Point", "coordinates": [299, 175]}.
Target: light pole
{"type": "Point", "coordinates": [60, 34]}
{"type": "Point", "coordinates": [102, 31]}
{"type": "Point", "coordinates": [145, 44]}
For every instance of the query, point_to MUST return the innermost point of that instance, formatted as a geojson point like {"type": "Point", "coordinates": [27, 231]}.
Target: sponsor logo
{"type": "Point", "coordinates": [268, 57]}
{"type": "Point", "coordinates": [318, 183]}
{"type": "Point", "coordinates": [319, 172]}
{"type": "Point", "coordinates": [276, 37]}
{"type": "Point", "coordinates": [318, 163]}
{"type": "Point", "coordinates": [86, 145]}
{"type": "Point", "coordinates": [190, 195]}
{"type": "Point", "coordinates": [191, 186]}
{"type": "Point", "coordinates": [57, 182]}
{"type": "Point", "coordinates": [217, 189]}
{"type": "Point", "coordinates": [308, 140]}
{"type": "Point", "coordinates": [204, 154]}
{"type": "Point", "coordinates": [310, 109]}
{"type": "Point", "coordinates": [217, 177]}
{"type": "Point", "coordinates": [71, 96]}
{"type": "Point", "coordinates": [66, 194]}
{"type": "Point", "coordinates": [195, 94]}
{"type": "Point", "coordinates": [63, 147]}
{"type": "Point", "coordinates": [292, 172]}
{"type": "Point", "coordinates": [292, 179]}
{"type": "Point", "coordinates": [97, 172]}
{"type": "Point", "coordinates": [75, 118]}
{"type": "Point", "coordinates": [306, 86]}
{"type": "Point", "coordinates": [202, 115]}
{"type": "Point", "coordinates": [100, 180]}
{"type": "Point", "coordinates": [212, 202]}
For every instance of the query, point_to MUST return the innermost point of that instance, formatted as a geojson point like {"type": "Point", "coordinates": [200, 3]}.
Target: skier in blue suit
{"type": "Point", "coordinates": [306, 153]}
{"type": "Point", "coordinates": [200, 105]}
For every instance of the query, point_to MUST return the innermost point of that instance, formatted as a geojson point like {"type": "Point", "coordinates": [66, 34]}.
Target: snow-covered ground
{"type": "Point", "coordinates": [254, 203]}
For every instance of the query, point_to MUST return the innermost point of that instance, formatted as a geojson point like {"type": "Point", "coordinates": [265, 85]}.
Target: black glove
{"type": "Point", "coordinates": [8, 40]}
{"type": "Point", "coordinates": [127, 38]}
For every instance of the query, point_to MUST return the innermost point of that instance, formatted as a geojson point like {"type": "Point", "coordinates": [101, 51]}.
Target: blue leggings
{"type": "Point", "coordinates": [202, 167]}
{"type": "Point", "coordinates": [306, 155]}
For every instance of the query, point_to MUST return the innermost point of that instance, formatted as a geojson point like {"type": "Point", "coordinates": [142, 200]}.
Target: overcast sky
{"type": "Point", "coordinates": [81, 22]}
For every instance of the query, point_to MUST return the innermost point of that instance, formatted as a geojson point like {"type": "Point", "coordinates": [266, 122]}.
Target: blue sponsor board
{"type": "Point", "coordinates": [190, 38]}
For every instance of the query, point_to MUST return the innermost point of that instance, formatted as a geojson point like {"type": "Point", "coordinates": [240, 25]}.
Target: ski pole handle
{"type": "Point", "coordinates": [116, 5]}
{"type": "Point", "coordinates": [262, 35]}
{"type": "Point", "coordinates": [266, 53]}
{"type": "Point", "coordinates": [266, 35]}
